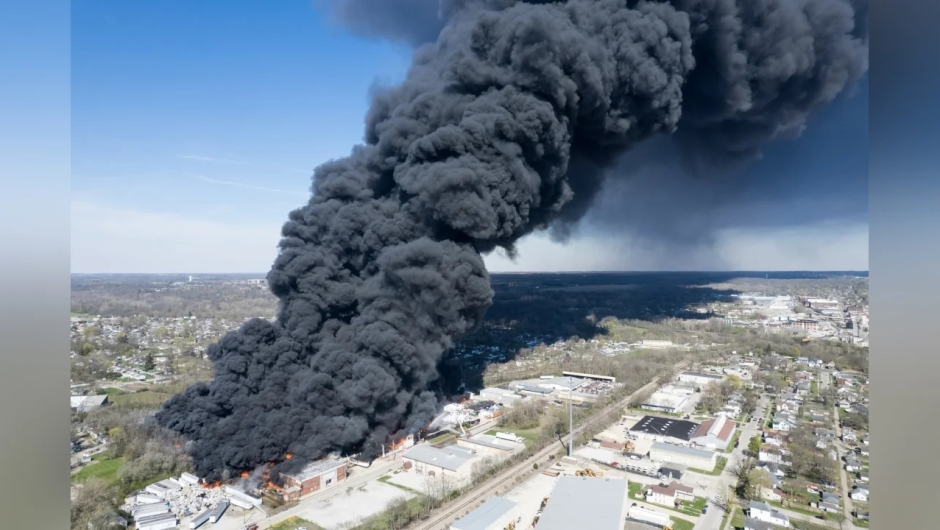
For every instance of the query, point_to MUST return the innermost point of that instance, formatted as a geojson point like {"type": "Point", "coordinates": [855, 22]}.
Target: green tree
{"type": "Point", "coordinates": [118, 440]}
{"type": "Point", "coordinates": [149, 362]}
{"type": "Point", "coordinates": [754, 444]}
{"type": "Point", "coordinates": [86, 349]}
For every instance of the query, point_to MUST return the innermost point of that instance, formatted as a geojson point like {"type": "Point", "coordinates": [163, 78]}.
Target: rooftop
{"type": "Point", "coordinates": [314, 469]}
{"type": "Point", "coordinates": [485, 515]}
{"type": "Point", "coordinates": [582, 502]}
{"type": "Point", "coordinates": [451, 457]}
{"type": "Point", "coordinates": [700, 374]}
{"type": "Point", "coordinates": [684, 450]}
{"type": "Point", "coordinates": [671, 427]}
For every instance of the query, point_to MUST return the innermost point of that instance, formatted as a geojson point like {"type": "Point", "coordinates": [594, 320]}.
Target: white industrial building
{"type": "Point", "coordinates": [494, 514]}
{"type": "Point", "coordinates": [88, 403]}
{"type": "Point", "coordinates": [453, 462]}
{"type": "Point", "coordinates": [698, 379]}
{"type": "Point", "coordinates": [585, 502]}
{"type": "Point", "coordinates": [655, 344]}
{"type": "Point", "coordinates": [499, 395]}
{"type": "Point", "coordinates": [669, 398]}
{"type": "Point", "coordinates": [687, 456]}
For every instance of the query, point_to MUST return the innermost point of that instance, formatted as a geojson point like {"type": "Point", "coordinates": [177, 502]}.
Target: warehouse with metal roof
{"type": "Point", "coordinates": [585, 502]}
{"type": "Point", "coordinates": [494, 514]}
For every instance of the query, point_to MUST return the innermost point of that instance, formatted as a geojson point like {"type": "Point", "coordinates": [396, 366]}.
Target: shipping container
{"type": "Point", "coordinates": [189, 478]}
{"type": "Point", "coordinates": [245, 505]}
{"type": "Point", "coordinates": [147, 498]}
{"type": "Point", "coordinates": [217, 512]}
{"type": "Point", "coordinates": [150, 509]}
{"type": "Point", "coordinates": [200, 519]}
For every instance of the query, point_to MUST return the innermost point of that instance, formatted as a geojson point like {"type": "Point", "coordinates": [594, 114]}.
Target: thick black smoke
{"type": "Point", "coordinates": [504, 125]}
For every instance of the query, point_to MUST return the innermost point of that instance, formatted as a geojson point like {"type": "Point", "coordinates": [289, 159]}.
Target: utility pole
{"type": "Point", "coordinates": [570, 417]}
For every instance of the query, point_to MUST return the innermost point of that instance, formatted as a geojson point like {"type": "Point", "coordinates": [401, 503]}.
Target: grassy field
{"type": "Point", "coordinates": [719, 467]}
{"type": "Point", "coordinates": [530, 435]}
{"type": "Point", "coordinates": [294, 523]}
{"type": "Point", "coordinates": [103, 469]}
{"type": "Point", "coordinates": [146, 398]}
{"type": "Point", "coordinates": [681, 524]}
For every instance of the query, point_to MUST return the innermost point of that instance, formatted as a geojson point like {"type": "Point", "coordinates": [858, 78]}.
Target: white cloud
{"type": "Point", "coordinates": [108, 239]}
{"type": "Point", "coordinates": [820, 247]}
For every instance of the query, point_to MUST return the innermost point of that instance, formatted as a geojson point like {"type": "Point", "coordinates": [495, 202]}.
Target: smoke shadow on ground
{"type": "Point", "coordinates": [532, 309]}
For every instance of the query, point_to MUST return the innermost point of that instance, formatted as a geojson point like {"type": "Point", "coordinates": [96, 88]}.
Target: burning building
{"type": "Point", "coordinates": [313, 477]}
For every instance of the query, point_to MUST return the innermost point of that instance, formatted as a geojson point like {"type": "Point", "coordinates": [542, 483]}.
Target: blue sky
{"type": "Point", "coordinates": [209, 113]}
{"type": "Point", "coordinates": [196, 127]}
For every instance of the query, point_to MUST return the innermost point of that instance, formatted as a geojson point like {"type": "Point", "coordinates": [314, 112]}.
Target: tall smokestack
{"type": "Point", "coordinates": [504, 125]}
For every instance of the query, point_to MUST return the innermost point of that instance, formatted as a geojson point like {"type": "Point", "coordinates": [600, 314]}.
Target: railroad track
{"type": "Point", "coordinates": [441, 521]}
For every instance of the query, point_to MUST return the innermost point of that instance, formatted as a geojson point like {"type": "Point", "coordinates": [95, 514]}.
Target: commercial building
{"type": "Point", "coordinates": [453, 462]}
{"type": "Point", "coordinates": [665, 429]}
{"type": "Point", "coordinates": [315, 476]}
{"type": "Point", "coordinates": [714, 433]}
{"type": "Point", "coordinates": [687, 456]}
{"type": "Point", "coordinates": [499, 395]}
{"type": "Point", "coordinates": [698, 379]}
{"type": "Point", "coordinates": [494, 514]}
{"type": "Point", "coordinates": [88, 403]}
{"type": "Point", "coordinates": [586, 389]}
{"type": "Point", "coordinates": [669, 399]}
{"type": "Point", "coordinates": [585, 502]}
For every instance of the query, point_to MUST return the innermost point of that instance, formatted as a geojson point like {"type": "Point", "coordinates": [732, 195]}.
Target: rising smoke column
{"type": "Point", "coordinates": [503, 126]}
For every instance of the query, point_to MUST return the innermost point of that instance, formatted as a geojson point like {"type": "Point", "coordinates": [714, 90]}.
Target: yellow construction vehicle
{"type": "Point", "coordinates": [510, 526]}
{"type": "Point", "coordinates": [629, 447]}
{"type": "Point", "coordinates": [588, 473]}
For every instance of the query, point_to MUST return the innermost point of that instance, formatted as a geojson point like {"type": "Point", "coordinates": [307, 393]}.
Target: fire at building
{"type": "Point", "coordinates": [313, 477]}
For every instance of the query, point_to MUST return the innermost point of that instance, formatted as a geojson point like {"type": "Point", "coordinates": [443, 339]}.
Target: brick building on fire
{"type": "Point", "coordinates": [313, 477]}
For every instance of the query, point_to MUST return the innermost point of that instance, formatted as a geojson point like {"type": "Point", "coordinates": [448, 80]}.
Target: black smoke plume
{"type": "Point", "coordinates": [504, 125]}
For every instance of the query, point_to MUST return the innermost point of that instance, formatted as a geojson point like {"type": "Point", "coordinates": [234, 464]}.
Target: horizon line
{"type": "Point", "coordinates": [756, 271]}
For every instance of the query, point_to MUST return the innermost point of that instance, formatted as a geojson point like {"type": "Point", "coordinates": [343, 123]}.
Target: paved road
{"type": "Point", "coordinates": [714, 486]}
{"type": "Point", "coordinates": [846, 501]}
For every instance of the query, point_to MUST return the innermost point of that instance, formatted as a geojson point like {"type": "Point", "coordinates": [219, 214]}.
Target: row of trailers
{"type": "Point", "coordinates": [159, 517]}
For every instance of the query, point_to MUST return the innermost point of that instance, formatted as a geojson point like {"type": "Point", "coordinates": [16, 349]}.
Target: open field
{"type": "Point", "coordinates": [103, 469]}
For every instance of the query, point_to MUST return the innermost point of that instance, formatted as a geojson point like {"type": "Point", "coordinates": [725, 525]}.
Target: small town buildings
{"type": "Point", "coordinates": [859, 493]}
{"type": "Point", "coordinates": [315, 476]}
{"type": "Point", "coordinates": [770, 453]}
{"type": "Point", "coordinates": [669, 495]}
{"type": "Point", "coordinates": [763, 512]}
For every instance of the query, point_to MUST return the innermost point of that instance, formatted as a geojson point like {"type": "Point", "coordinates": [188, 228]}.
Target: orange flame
{"type": "Point", "coordinates": [244, 474]}
{"type": "Point", "coordinates": [288, 456]}
{"type": "Point", "coordinates": [273, 486]}
{"type": "Point", "coordinates": [212, 485]}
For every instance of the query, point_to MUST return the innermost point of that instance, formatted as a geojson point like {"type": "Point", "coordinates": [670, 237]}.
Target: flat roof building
{"type": "Point", "coordinates": [314, 476]}
{"type": "Point", "coordinates": [585, 502]}
{"type": "Point", "coordinates": [687, 456]}
{"type": "Point", "coordinates": [665, 428]}
{"type": "Point", "coordinates": [452, 461]}
{"type": "Point", "coordinates": [494, 514]}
